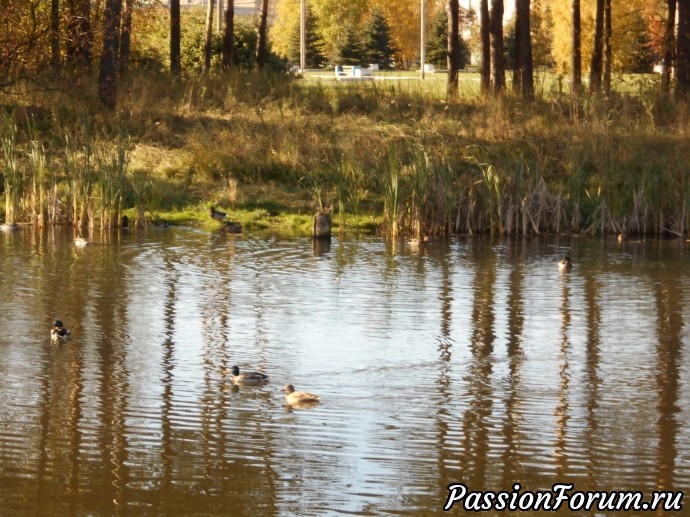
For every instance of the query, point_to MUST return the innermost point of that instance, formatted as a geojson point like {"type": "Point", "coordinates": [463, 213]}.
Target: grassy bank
{"type": "Point", "coordinates": [390, 155]}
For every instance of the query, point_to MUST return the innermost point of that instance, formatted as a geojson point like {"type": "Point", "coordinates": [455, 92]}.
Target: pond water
{"type": "Point", "coordinates": [471, 361]}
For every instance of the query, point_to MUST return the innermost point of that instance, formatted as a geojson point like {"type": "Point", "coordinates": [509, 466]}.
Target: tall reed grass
{"type": "Point", "coordinates": [90, 172]}
{"type": "Point", "coordinates": [41, 177]}
{"type": "Point", "coordinates": [12, 174]}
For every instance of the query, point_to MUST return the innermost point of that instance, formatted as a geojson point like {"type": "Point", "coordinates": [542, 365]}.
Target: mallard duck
{"type": "Point", "coordinates": [299, 397]}
{"type": "Point", "coordinates": [59, 332]}
{"type": "Point", "coordinates": [217, 214]}
{"type": "Point", "coordinates": [565, 264]}
{"type": "Point", "coordinates": [80, 242]}
{"type": "Point", "coordinates": [247, 377]}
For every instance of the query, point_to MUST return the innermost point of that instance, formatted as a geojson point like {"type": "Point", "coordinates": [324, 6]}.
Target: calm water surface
{"type": "Point", "coordinates": [473, 361]}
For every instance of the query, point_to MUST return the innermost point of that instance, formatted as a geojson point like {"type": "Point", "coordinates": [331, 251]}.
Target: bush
{"type": "Point", "coordinates": [243, 56]}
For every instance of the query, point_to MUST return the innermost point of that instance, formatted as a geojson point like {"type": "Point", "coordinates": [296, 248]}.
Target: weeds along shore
{"type": "Point", "coordinates": [385, 155]}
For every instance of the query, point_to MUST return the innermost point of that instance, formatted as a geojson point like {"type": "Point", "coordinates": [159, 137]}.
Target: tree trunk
{"type": "Point", "coordinates": [595, 68]}
{"type": "Point", "coordinates": [518, 58]}
{"type": "Point", "coordinates": [486, 46]}
{"type": "Point", "coordinates": [55, 33]}
{"type": "Point", "coordinates": [175, 66]}
{"type": "Point", "coordinates": [608, 59]}
{"type": "Point", "coordinates": [669, 44]}
{"type": "Point", "coordinates": [523, 46]}
{"type": "Point", "coordinates": [683, 50]}
{"type": "Point", "coordinates": [261, 40]}
{"type": "Point", "coordinates": [141, 216]}
{"type": "Point", "coordinates": [228, 34]}
{"type": "Point", "coordinates": [107, 78]}
{"type": "Point", "coordinates": [125, 34]}
{"type": "Point", "coordinates": [209, 36]}
{"type": "Point", "coordinates": [452, 58]}
{"type": "Point", "coordinates": [497, 58]}
{"type": "Point", "coordinates": [576, 82]}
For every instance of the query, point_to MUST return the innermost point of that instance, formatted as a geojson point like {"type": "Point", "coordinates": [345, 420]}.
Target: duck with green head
{"type": "Point", "coordinates": [59, 332]}
{"type": "Point", "coordinates": [247, 378]}
{"type": "Point", "coordinates": [217, 214]}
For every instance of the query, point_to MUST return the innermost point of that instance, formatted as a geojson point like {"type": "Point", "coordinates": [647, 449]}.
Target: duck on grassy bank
{"type": "Point", "coordinates": [217, 214]}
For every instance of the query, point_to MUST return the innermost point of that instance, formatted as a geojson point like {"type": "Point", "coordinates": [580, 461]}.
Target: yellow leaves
{"type": "Point", "coordinates": [287, 16]}
{"type": "Point", "coordinates": [336, 17]}
{"type": "Point", "coordinates": [623, 18]}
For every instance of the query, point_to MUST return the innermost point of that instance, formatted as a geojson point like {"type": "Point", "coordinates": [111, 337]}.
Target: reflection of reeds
{"type": "Point", "coordinates": [11, 172]}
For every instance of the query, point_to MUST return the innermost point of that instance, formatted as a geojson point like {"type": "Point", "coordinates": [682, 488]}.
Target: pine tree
{"type": "Point", "coordinates": [378, 47]}
{"type": "Point", "coordinates": [350, 50]}
{"type": "Point", "coordinates": [642, 56]}
{"type": "Point", "coordinates": [313, 43]}
{"type": "Point", "coordinates": [437, 43]}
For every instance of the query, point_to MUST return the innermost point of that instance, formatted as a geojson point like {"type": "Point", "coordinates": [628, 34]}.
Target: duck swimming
{"type": "Point", "coordinates": [80, 242]}
{"type": "Point", "coordinates": [247, 378]}
{"type": "Point", "coordinates": [9, 227]}
{"type": "Point", "coordinates": [59, 332]}
{"type": "Point", "coordinates": [565, 263]}
{"type": "Point", "coordinates": [299, 397]}
{"type": "Point", "coordinates": [415, 244]}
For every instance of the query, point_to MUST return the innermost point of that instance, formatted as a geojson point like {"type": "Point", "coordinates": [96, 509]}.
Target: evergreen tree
{"type": "Point", "coordinates": [350, 50]}
{"type": "Point", "coordinates": [642, 56]}
{"type": "Point", "coordinates": [378, 47]}
{"type": "Point", "coordinates": [542, 34]}
{"type": "Point", "coordinates": [437, 43]}
{"type": "Point", "coordinates": [313, 43]}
